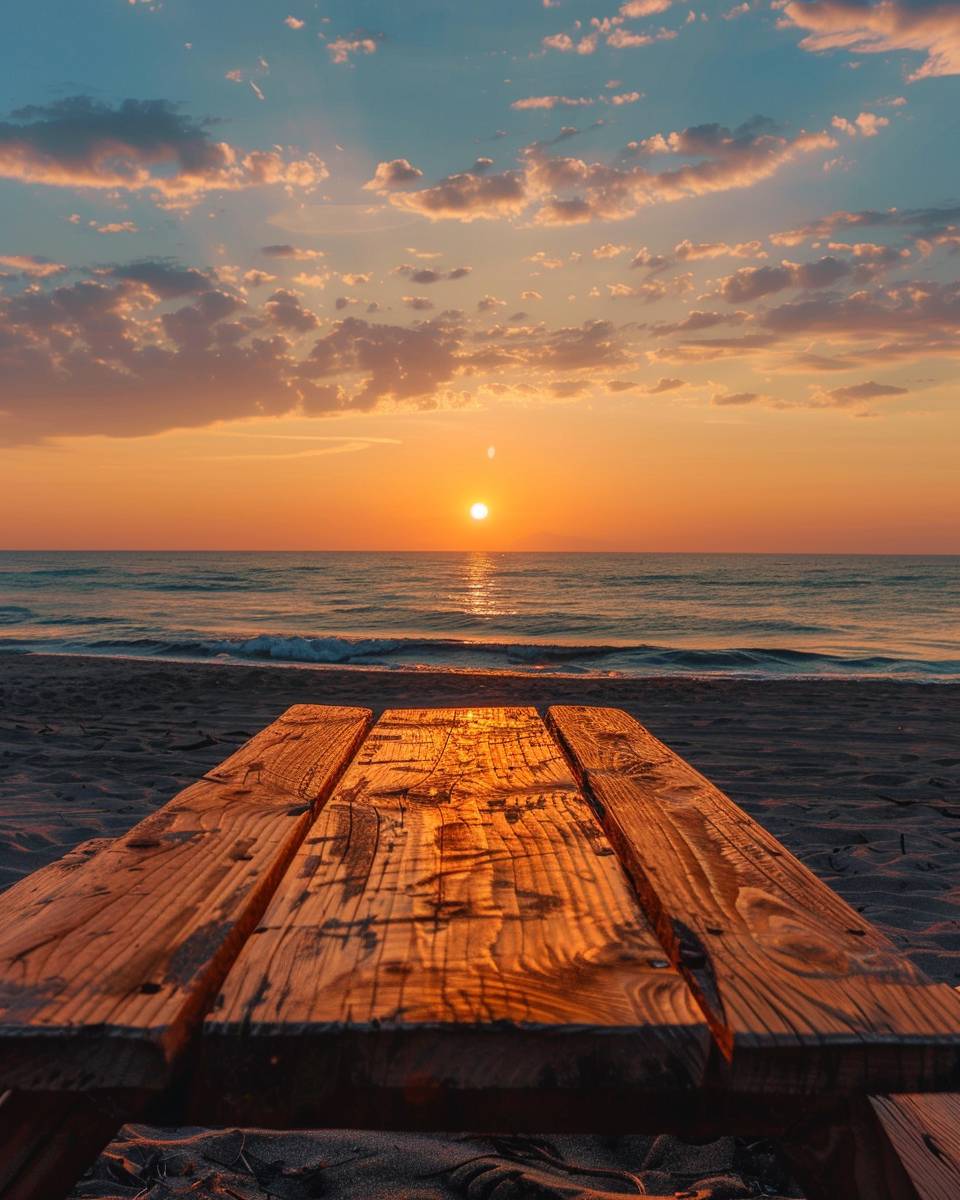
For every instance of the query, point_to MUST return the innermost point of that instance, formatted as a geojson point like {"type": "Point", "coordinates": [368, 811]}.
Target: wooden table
{"type": "Point", "coordinates": [463, 919]}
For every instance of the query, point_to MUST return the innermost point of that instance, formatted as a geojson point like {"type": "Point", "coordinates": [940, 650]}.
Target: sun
{"type": "Point", "coordinates": [479, 511]}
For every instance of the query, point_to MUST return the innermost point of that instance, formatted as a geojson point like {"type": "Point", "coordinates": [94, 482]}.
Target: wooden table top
{"type": "Point", "coordinates": [453, 908]}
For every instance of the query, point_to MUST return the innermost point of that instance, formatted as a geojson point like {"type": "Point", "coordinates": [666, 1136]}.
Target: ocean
{"type": "Point", "coordinates": [630, 614]}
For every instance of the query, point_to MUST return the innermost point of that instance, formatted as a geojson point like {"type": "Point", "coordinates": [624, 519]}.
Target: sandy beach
{"type": "Point", "coordinates": [860, 779]}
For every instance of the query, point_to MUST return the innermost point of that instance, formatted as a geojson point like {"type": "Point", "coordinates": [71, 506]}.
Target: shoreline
{"type": "Point", "coordinates": [265, 662]}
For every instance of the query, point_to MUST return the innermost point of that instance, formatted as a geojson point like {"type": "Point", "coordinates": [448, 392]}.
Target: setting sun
{"type": "Point", "coordinates": [479, 511]}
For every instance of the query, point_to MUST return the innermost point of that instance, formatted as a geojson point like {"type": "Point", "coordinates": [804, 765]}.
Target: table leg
{"type": "Point", "coordinates": [47, 1140]}
{"type": "Point", "coordinates": [844, 1152]}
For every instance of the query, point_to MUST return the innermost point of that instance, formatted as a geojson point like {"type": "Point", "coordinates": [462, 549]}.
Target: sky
{"type": "Point", "coordinates": [636, 276]}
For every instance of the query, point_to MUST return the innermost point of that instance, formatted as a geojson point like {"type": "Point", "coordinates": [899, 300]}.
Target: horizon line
{"type": "Point", "coordinates": [474, 550]}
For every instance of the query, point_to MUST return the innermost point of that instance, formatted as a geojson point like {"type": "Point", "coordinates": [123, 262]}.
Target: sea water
{"type": "Point", "coordinates": [631, 614]}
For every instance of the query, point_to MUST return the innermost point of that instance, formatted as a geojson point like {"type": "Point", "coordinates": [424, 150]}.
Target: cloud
{"type": "Point", "coordinates": [426, 275]}
{"type": "Point", "coordinates": [468, 197]}
{"type": "Point", "coordinates": [164, 278]}
{"type": "Point", "coordinates": [652, 262]}
{"type": "Point", "coordinates": [490, 304]}
{"type": "Point", "coordinates": [737, 399]}
{"type": "Point", "coordinates": [649, 293]}
{"type": "Point", "coordinates": [286, 310]}
{"type": "Point", "coordinates": [697, 319]}
{"type": "Point", "coordinates": [920, 308]}
{"type": "Point", "coordinates": [398, 363]}
{"type": "Point", "coordinates": [31, 264]}
{"type": "Point", "coordinates": [398, 172]}
{"type": "Point", "coordinates": [152, 346]}
{"type": "Point", "coordinates": [867, 125]}
{"type": "Point", "coordinates": [293, 22]}
{"type": "Point", "coordinates": [87, 358]}
{"type": "Point", "coordinates": [626, 39]}
{"type": "Point", "coordinates": [858, 393]}
{"type": "Point", "coordinates": [295, 253]}
{"type": "Point", "coordinates": [750, 283]}
{"type": "Point", "coordinates": [927, 222]}
{"type": "Point", "coordinates": [144, 146]}
{"type": "Point", "coordinates": [418, 303]}
{"type": "Point", "coordinates": [853, 396]}
{"type": "Point", "coordinates": [931, 27]}
{"type": "Point", "coordinates": [565, 190]}
{"type": "Point", "coordinates": [552, 102]}
{"type": "Point", "coordinates": [340, 49]}
{"type": "Point", "coordinates": [566, 45]}
{"type": "Point", "coordinates": [688, 251]}
{"type": "Point", "coordinates": [626, 98]}
{"type": "Point", "coordinates": [644, 8]}
{"type": "Point", "coordinates": [665, 384]}
{"type": "Point", "coordinates": [117, 227]}
{"type": "Point", "coordinates": [608, 250]}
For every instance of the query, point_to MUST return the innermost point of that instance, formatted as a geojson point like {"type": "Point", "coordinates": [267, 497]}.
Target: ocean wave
{"type": "Point", "coordinates": [14, 614]}
{"type": "Point", "coordinates": [434, 653]}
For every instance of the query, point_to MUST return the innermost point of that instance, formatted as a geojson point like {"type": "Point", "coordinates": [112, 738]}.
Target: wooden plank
{"type": "Point", "coordinates": [48, 1139]}
{"type": "Point", "coordinates": [924, 1132]}
{"type": "Point", "coordinates": [845, 1153]}
{"type": "Point", "coordinates": [455, 920]}
{"type": "Point", "coordinates": [800, 991]}
{"type": "Point", "coordinates": [108, 962]}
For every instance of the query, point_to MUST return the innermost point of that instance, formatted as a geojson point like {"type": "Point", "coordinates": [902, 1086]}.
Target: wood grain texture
{"type": "Point", "coordinates": [48, 1139]}
{"type": "Point", "coordinates": [108, 961]}
{"type": "Point", "coordinates": [800, 992]}
{"type": "Point", "coordinates": [844, 1154]}
{"type": "Point", "coordinates": [924, 1131]}
{"type": "Point", "coordinates": [456, 919]}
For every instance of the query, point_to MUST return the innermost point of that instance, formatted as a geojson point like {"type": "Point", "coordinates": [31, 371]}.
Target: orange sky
{"type": "Point", "coordinates": [567, 477]}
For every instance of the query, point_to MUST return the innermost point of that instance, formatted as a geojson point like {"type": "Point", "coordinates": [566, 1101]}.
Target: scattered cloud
{"type": "Point", "coordinates": [867, 125]}
{"type": "Point", "coordinates": [930, 27]}
{"type": "Point", "coordinates": [116, 227]}
{"type": "Point", "coordinates": [31, 265]}
{"type": "Point", "coordinates": [565, 190]}
{"type": "Point", "coordinates": [424, 275]}
{"type": "Point", "coordinates": [341, 49]}
{"type": "Point", "coordinates": [608, 250]}
{"type": "Point", "coordinates": [394, 174]}
{"type": "Point", "coordinates": [295, 253]}
{"type": "Point", "coordinates": [688, 251]}
{"type": "Point", "coordinates": [858, 393]}
{"type": "Point", "coordinates": [737, 399]}
{"type": "Point", "coordinates": [552, 102]}
{"type": "Point", "coordinates": [750, 283]}
{"type": "Point", "coordinates": [144, 146]}
{"type": "Point", "coordinates": [921, 222]}
{"type": "Point", "coordinates": [468, 197]}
